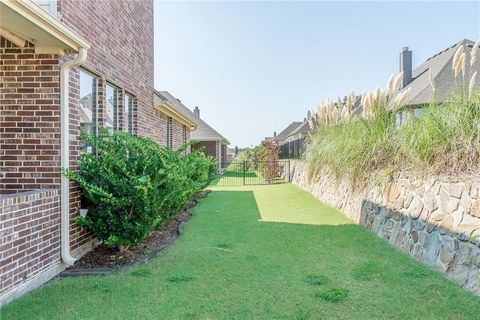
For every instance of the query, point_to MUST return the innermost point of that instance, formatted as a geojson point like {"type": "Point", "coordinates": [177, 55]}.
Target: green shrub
{"type": "Point", "coordinates": [445, 137]}
{"type": "Point", "coordinates": [131, 185]}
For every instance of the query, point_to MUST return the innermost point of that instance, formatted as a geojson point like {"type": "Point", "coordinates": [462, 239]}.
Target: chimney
{"type": "Point", "coordinates": [309, 114]}
{"type": "Point", "coordinates": [274, 134]}
{"type": "Point", "coordinates": [406, 66]}
{"type": "Point", "coordinates": [196, 112]}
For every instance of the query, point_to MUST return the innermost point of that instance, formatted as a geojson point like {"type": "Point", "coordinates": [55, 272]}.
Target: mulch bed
{"type": "Point", "coordinates": [104, 259]}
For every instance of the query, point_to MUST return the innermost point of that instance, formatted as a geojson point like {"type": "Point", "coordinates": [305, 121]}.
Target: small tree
{"type": "Point", "coordinates": [269, 153]}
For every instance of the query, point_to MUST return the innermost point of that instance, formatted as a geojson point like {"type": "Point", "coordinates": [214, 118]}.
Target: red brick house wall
{"type": "Point", "coordinates": [30, 242]}
{"type": "Point", "coordinates": [121, 38]}
{"type": "Point", "coordinates": [29, 119]}
{"type": "Point", "coordinates": [178, 134]}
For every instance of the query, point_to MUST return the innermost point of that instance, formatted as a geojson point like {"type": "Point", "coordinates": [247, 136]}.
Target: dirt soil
{"type": "Point", "coordinates": [104, 256]}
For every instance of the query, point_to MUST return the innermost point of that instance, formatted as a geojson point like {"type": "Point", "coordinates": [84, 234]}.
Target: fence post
{"type": "Point", "coordinates": [244, 171]}
{"type": "Point", "coordinates": [289, 177]}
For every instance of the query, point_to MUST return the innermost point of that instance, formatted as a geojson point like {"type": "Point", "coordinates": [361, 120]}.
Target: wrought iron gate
{"type": "Point", "coordinates": [241, 173]}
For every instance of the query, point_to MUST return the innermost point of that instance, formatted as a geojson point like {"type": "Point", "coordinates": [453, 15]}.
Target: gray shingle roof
{"type": "Point", "coordinates": [204, 131]}
{"type": "Point", "coordinates": [303, 128]}
{"type": "Point", "coordinates": [286, 132]}
{"type": "Point", "coordinates": [444, 79]}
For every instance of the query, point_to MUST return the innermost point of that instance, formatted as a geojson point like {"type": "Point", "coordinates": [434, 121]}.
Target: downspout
{"type": "Point", "coordinates": [65, 154]}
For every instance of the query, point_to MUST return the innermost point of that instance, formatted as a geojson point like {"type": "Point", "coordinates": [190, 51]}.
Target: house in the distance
{"type": "Point", "coordinates": [179, 121]}
{"type": "Point", "coordinates": [434, 80]}
{"type": "Point", "coordinates": [204, 137]}
{"type": "Point", "coordinates": [231, 154]}
{"type": "Point", "coordinates": [209, 140]}
{"type": "Point", "coordinates": [283, 135]}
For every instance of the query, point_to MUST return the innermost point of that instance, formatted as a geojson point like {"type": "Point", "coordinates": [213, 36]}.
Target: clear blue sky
{"type": "Point", "coordinates": [254, 67]}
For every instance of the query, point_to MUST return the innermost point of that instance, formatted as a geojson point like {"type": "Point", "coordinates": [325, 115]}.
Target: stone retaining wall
{"type": "Point", "coordinates": [434, 219]}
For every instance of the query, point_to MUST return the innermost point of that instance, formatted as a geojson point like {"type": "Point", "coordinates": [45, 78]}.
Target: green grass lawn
{"type": "Point", "coordinates": [232, 263]}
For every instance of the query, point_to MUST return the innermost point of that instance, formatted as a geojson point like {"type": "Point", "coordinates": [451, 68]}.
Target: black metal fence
{"type": "Point", "coordinates": [293, 149]}
{"type": "Point", "coordinates": [241, 173]}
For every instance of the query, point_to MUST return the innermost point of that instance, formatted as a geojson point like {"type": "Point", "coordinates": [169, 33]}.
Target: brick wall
{"type": "Point", "coordinates": [121, 53]}
{"type": "Point", "coordinates": [29, 237]}
{"type": "Point", "coordinates": [121, 36]}
{"type": "Point", "coordinates": [178, 134]}
{"type": "Point", "coordinates": [29, 119]}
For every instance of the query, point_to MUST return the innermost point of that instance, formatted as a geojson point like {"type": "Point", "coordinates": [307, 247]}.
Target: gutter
{"type": "Point", "coordinates": [65, 153]}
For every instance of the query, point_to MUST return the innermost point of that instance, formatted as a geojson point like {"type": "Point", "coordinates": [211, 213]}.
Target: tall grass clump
{"type": "Point", "coordinates": [446, 138]}
{"type": "Point", "coordinates": [360, 135]}
{"type": "Point", "coordinates": [354, 147]}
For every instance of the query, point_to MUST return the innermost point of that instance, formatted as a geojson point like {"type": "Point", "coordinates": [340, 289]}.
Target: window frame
{"type": "Point", "coordinates": [184, 134]}
{"type": "Point", "coordinates": [95, 104]}
{"type": "Point", "coordinates": [128, 117]}
{"type": "Point", "coordinates": [169, 132]}
{"type": "Point", "coordinates": [115, 104]}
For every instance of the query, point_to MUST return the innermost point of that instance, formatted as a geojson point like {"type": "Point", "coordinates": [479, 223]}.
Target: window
{"type": "Point", "coordinates": [128, 113]}
{"type": "Point", "coordinates": [169, 132]}
{"type": "Point", "coordinates": [184, 134]}
{"type": "Point", "coordinates": [88, 105]}
{"type": "Point", "coordinates": [418, 112]}
{"type": "Point", "coordinates": [408, 116]}
{"type": "Point", "coordinates": [111, 107]}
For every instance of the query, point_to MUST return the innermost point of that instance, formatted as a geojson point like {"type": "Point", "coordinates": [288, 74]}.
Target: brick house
{"type": "Point", "coordinates": [204, 136]}
{"type": "Point", "coordinates": [69, 66]}
{"type": "Point", "coordinates": [209, 140]}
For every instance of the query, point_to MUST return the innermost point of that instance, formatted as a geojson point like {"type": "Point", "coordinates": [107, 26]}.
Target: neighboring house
{"type": "Point", "coordinates": [204, 136]}
{"type": "Point", "coordinates": [73, 66]}
{"type": "Point", "coordinates": [292, 145]}
{"type": "Point", "coordinates": [443, 83]}
{"type": "Point", "coordinates": [283, 135]}
{"type": "Point", "coordinates": [209, 140]}
{"type": "Point", "coordinates": [180, 123]}
{"type": "Point", "coordinates": [270, 139]}
{"type": "Point", "coordinates": [231, 154]}
{"type": "Point", "coordinates": [300, 132]}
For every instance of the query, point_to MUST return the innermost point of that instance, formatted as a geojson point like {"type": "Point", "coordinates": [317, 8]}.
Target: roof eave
{"type": "Point", "coordinates": [72, 42]}
{"type": "Point", "coordinates": [199, 139]}
{"type": "Point", "coordinates": [168, 109]}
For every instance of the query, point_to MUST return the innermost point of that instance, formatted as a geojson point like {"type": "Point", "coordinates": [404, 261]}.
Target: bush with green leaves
{"type": "Point", "coordinates": [131, 185]}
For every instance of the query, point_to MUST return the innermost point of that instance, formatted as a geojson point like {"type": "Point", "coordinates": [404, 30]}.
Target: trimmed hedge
{"type": "Point", "coordinates": [131, 185]}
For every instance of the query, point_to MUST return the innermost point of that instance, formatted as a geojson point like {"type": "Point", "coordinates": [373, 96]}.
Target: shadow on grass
{"type": "Point", "coordinates": [245, 269]}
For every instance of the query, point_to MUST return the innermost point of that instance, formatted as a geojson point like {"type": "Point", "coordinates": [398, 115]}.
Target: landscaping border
{"type": "Point", "coordinates": [94, 262]}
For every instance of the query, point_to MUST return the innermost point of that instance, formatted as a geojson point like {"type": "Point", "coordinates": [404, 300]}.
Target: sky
{"type": "Point", "coordinates": [254, 67]}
